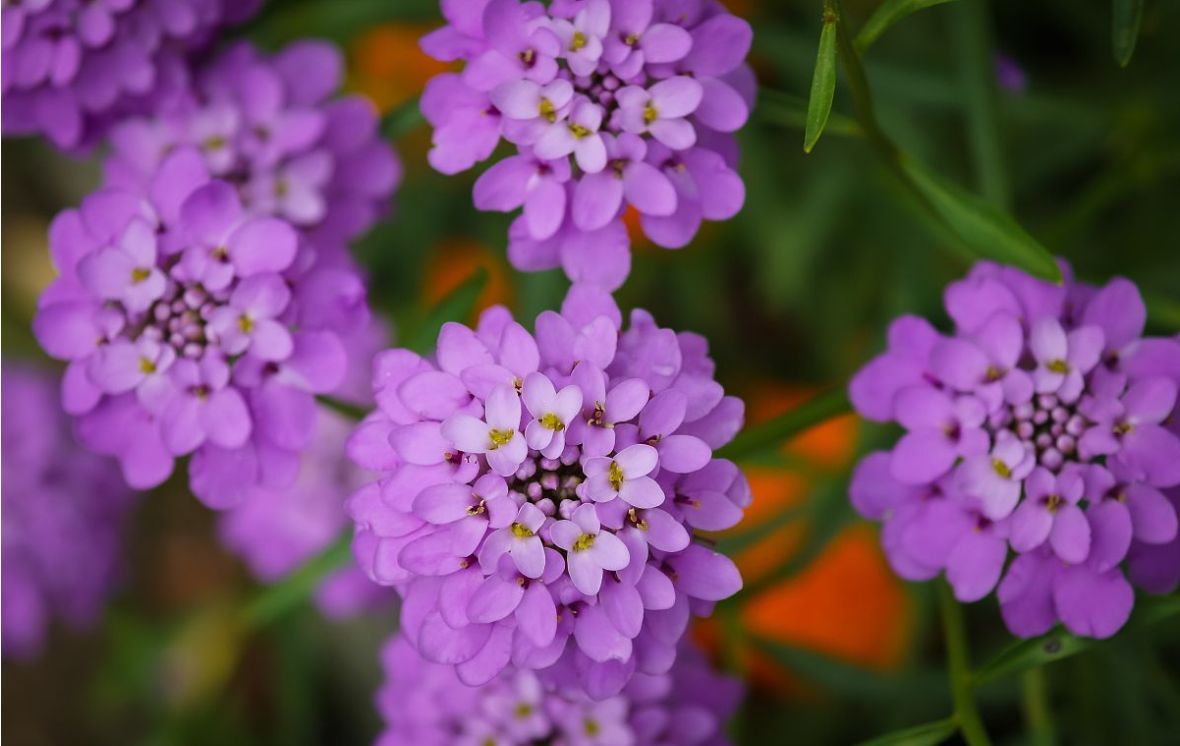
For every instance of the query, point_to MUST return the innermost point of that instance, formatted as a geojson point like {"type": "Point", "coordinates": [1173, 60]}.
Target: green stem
{"type": "Point", "coordinates": [959, 669]}
{"type": "Point", "coordinates": [973, 39]}
{"type": "Point", "coordinates": [404, 119]}
{"type": "Point", "coordinates": [1035, 701]}
{"type": "Point", "coordinates": [805, 416]}
{"type": "Point", "coordinates": [349, 410]}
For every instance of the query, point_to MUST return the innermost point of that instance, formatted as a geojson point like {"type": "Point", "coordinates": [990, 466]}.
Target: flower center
{"type": "Point", "coordinates": [1001, 468]}
{"type": "Point", "coordinates": [552, 422]}
{"type": "Point", "coordinates": [650, 114]}
{"type": "Point", "coordinates": [246, 324]}
{"type": "Point", "coordinates": [1058, 366]}
{"type": "Point", "coordinates": [1052, 503]}
{"type": "Point", "coordinates": [631, 39]}
{"type": "Point", "coordinates": [500, 437]}
{"type": "Point", "coordinates": [146, 366]}
{"type": "Point", "coordinates": [521, 531]}
{"type": "Point", "coordinates": [578, 41]}
{"type": "Point", "coordinates": [592, 727]}
{"type": "Point", "coordinates": [615, 476]}
{"type": "Point", "coordinates": [578, 131]}
{"type": "Point", "coordinates": [583, 542]}
{"type": "Point", "coordinates": [523, 710]}
{"type": "Point", "coordinates": [139, 274]}
{"type": "Point", "coordinates": [547, 110]}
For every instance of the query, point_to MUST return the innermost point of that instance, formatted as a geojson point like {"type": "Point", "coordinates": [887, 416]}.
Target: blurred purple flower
{"type": "Point", "coordinates": [272, 126]}
{"type": "Point", "coordinates": [597, 84]}
{"type": "Point", "coordinates": [64, 512]}
{"type": "Point", "coordinates": [72, 68]}
{"type": "Point", "coordinates": [1010, 75]}
{"type": "Point", "coordinates": [1045, 426]}
{"type": "Point", "coordinates": [569, 547]}
{"type": "Point", "coordinates": [426, 703]}
{"type": "Point", "coordinates": [238, 325]}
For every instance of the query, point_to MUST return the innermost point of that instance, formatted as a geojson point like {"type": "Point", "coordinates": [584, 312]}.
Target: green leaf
{"type": "Point", "coordinates": [786, 110]}
{"type": "Point", "coordinates": [455, 307]}
{"type": "Point", "coordinates": [278, 600]}
{"type": "Point", "coordinates": [927, 734]}
{"type": "Point", "coordinates": [887, 14]}
{"type": "Point", "coordinates": [1030, 653]}
{"type": "Point", "coordinates": [985, 229]}
{"type": "Point", "coordinates": [786, 426]}
{"type": "Point", "coordinates": [1124, 30]}
{"type": "Point", "coordinates": [401, 121]}
{"type": "Point", "coordinates": [347, 409]}
{"type": "Point", "coordinates": [823, 84]}
{"type": "Point", "coordinates": [830, 673]}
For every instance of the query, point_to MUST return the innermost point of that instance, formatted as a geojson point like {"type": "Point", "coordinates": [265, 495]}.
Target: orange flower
{"type": "Point", "coordinates": [456, 260]}
{"type": "Point", "coordinates": [389, 67]}
{"type": "Point", "coordinates": [846, 603]}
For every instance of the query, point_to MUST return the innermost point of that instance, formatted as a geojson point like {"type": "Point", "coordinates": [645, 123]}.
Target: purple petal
{"type": "Point", "coordinates": [973, 567]}
{"type": "Point", "coordinates": [1093, 604]}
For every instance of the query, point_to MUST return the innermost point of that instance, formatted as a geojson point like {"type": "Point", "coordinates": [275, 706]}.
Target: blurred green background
{"type": "Point", "coordinates": [793, 295]}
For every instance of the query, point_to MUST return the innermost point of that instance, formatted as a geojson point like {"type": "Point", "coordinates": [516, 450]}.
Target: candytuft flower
{"type": "Point", "coordinates": [611, 105]}
{"type": "Point", "coordinates": [1045, 427]}
{"type": "Point", "coordinates": [64, 511]}
{"type": "Point", "coordinates": [424, 702]}
{"type": "Point", "coordinates": [272, 126]}
{"type": "Point", "coordinates": [568, 549]}
{"type": "Point", "coordinates": [78, 67]}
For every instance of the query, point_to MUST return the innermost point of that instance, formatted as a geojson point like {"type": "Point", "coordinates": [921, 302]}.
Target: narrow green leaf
{"type": "Point", "coordinates": [276, 601]}
{"type": "Point", "coordinates": [784, 427]}
{"type": "Point", "coordinates": [1124, 30]}
{"type": "Point", "coordinates": [1026, 654]}
{"type": "Point", "coordinates": [836, 675]}
{"type": "Point", "coordinates": [823, 84]}
{"type": "Point", "coordinates": [455, 307]}
{"type": "Point", "coordinates": [402, 120]}
{"type": "Point", "coordinates": [927, 734]}
{"type": "Point", "coordinates": [988, 231]}
{"type": "Point", "coordinates": [348, 409]}
{"type": "Point", "coordinates": [1163, 311]}
{"type": "Point", "coordinates": [887, 14]}
{"type": "Point", "coordinates": [786, 110]}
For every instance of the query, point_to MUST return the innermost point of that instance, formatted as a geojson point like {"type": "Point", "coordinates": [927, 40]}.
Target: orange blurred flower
{"type": "Point", "coordinates": [846, 603]}
{"type": "Point", "coordinates": [389, 67]}
{"type": "Point", "coordinates": [454, 261]}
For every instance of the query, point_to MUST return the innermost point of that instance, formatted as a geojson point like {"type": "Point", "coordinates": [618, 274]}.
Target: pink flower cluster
{"type": "Point", "coordinates": [539, 493]}
{"type": "Point", "coordinates": [611, 104]}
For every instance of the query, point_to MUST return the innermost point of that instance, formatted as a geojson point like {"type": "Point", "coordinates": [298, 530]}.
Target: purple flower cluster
{"type": "Point", "coordinates": [275, 530]}
{"type": "Point", "coordinates": [538, 494]}
{"type": "Point", "coordinates": [1045, 427]}
{"type": "Point", "coordinates": [425, 703]}
{"type": "Point", "coordinates": [73, 67]}
{"type": "Point", "coordinates": [611, 104]}
{"type": "Point", "coordinates": [64, 510]}
{"type": "Point", "coordinates": [192, 327]}
{"type": "Point", "coordinates": [271, 127]}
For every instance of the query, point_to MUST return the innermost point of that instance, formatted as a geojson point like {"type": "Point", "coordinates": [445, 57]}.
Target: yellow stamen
{"type": "Point", "coordinates": [578, 131]}
{"type": "Point", "coordinates": [578, 41]}
{"type": "Point", "coordinates": [1058, 366]}
{"type": "Point", "coordinates": [146, 366]}
{"type": "Point", "coordinates": [615, 476]}
{"type": "Point", "coordinates": [1001, 468]}
{"type": "Point", "coordinates": [246, 324]}
{"type": "Point", "coordinates": [649, 113]}
{"type": "Point", "coordinates": [500, 437]}
{"type": "Point", "coordinates": [552, 422]}
{"type": "Point", "coordinates": [521, 531]}
{"type": "Point", "coordinates": [547, 110]}
{"type": "Point", "coordinates": [140, 274]}
{"type": "Point", "coordinates": [584, 542]}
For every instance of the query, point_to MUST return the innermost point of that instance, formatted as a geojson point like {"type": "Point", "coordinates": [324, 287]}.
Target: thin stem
{"type": "Point", "coordinates": [1035, 702]}
{"type": "Point", "coordinates": [349, 410]}
{"type": "Point", "coordinates": [959, 669]}
{"type": "Point", "coordinates": [276, 601]}
{"type": "Point", "coordinates": [973, 39]}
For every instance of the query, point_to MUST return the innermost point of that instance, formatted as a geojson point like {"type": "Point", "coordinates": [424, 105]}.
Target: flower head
{"type": "Point", "coordinates": [610, 104]}
{"type": "Point", "coordinates": [426, 703]}
{"type": "Point", "coordinates": [273, 127]}
{"type": "Point", "coordinates": [538, 494]}
{"type": "Point", "coordinates": [1045, 426]}
{"type": "Point", "coordinates": [64, 511]}
{"type": "Point", "coordinates": [81, 65]}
